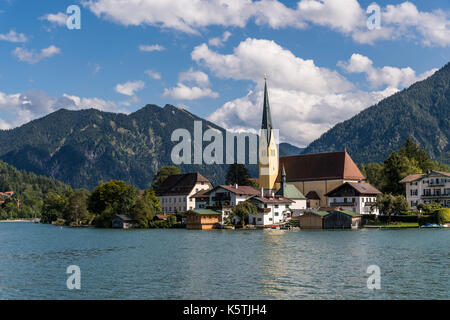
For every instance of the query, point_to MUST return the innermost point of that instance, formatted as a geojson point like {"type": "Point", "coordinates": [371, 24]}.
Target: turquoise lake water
{"type": "Point", "coordinates": [227, 264]}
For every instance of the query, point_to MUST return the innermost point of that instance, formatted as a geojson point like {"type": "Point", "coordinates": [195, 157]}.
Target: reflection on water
{"type": "Point", "coordinates": [181, 264]}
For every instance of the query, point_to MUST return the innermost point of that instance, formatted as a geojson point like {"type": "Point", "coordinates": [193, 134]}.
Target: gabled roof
{"type": "Point", "coordinates": [312, 195]}
{"type": "Point", "coordinates": [201, 194]}
{"type": "Point", "coordinates": [291, 192]}
{"type": "Point", "coordinates": [272, 200]}
{"type": "Point", "coordinates": [244, 190]}
{"type": "Point", "coordinates": [361, 188]}
{"type": "Point", "coordinates": [205, 211]}
{"type": "Point", "coordinates": [125, 217]}
{"type": "Point", "coordinates": [180, 184]}
{"type": "Point", "coordinates": [320, 166]}
{"type": "Point", "coordinates": [419, 176]}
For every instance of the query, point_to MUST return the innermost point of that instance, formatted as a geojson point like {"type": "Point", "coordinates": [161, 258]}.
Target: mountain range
{"type": "Point", "coordinates": [421, 112]}
{"type": "Point", "coordinates": [83, 148]}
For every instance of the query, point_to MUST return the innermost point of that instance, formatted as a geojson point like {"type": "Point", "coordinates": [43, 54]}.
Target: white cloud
{"type": "Point", "coordinates": [377, 77]}
{"type": "Point", "coordinates": [220, 41]}
{"type": "Point", "coordinates": [346, 16]}
{"type": "Point", "coordinates": [306, 99]}
{"type": "Point", "coordinates": [152, 74]}
{"type": "Point", "coordinates": [129, 88]}
{"type": "Point", "coordinates": [197, 77]}
{"type": "Point", "coordinates": [56, 19]}
{"type": "Point", "coordinates": [20, 108]}
{"type": "Point", "coordinates": [253, 58]}
{"type": "Point", "coordinates": [13, 36]}
{"type": "Point", "coordinates": [32, 57]}
{"type": "Point", "coordinates": [151, 48]}
{"type": "Point", "coordinates": [183, 92]}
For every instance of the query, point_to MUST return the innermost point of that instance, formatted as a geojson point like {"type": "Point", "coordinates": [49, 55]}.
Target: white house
{"type": "Point", "coordinates": [290, 191]}
{"type": "Point", "coordinates": [358, 197]}
{"type": "Point", "coordinates": [225, 197]}
{"type": "Point", "coordinates": [177, 190]}
{"type": "Point", "coordinates": [271, 210]}
{"type": "Point", "coordinates": [433, 186]}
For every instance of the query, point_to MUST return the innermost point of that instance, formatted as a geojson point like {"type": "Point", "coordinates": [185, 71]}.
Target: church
{"type": "Point", "coordinates": [313, 175]}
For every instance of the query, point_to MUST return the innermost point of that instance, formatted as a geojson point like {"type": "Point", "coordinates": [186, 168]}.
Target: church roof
{"type": "Point", "coordinates": [320, 166]}
{"type": "Point", "coordinates": [290, 192]}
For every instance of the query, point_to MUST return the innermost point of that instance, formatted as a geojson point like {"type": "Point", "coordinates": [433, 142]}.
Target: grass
{"type": "Point", "coordinates": [395, 225]}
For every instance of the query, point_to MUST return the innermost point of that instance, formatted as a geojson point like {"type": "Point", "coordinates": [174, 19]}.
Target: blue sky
{"type": "Point", "coordinates": [323, 64]}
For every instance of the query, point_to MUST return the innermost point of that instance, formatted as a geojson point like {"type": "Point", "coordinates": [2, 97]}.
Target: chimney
{"type": "Point", "coordinates": [236, 186]}
{"type": "Point", "coordinates": [262, 192]}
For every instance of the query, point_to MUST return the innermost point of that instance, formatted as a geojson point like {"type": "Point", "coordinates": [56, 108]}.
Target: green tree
{"type": "Point", "coordinates": [163, 174]}
{"type": "Point", "coordinates": [152, 200]}
{"type": "Point", "coordinates": [111, 198]}
{"type": "Point", "coordinates": [429, 208]}
{"type": "Point", "coordinates": [238, 174]}
{"type": "Point", "coordinates": [243, 210]}
{"type": "Point", "coordinates": [53, 207]}
{"type": "Point", "coordinates": [395, 168]}
{"type": "Point", "coordinates": [400, 204]}
{"type": "Point", "coordinates": [76, 209]}
{"type": "Point", "coordinates": [374, 174]}
{"type": "Point", "coordinates": [142, 212]}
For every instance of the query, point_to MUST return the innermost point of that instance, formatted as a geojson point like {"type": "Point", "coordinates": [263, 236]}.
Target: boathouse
{"type": "Point", "coordinates": [203, 219]}
{"type": "Point", "coordinates": [123, 221]}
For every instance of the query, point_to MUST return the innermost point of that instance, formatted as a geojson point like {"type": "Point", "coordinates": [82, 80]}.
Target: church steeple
{"type": "Point", "coordinates": [283, 180]}
{"type": "Point", "coordinates": [267, 118]}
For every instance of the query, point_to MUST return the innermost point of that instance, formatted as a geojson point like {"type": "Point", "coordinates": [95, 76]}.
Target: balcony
{"type": "Point", "coordinates": [369, 204]}
{"type": "Point", "coordinates": [436, 184]}
{"type": "Point", "coordinates": [343, 204]}
{"type": "Point", "coordinates": [436, 196]}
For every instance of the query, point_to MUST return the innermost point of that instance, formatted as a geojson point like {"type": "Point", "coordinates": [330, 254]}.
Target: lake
{"type": "Point", "coordinates": [222, 264]}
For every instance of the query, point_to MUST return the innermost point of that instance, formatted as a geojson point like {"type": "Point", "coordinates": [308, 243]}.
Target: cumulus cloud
{"type": "Point", "coordinates": [152, 74]}
{"type": "Point", "coordinates": [13, 36]}
{"type": "Point", "coordinates": [151, 48]}
{"type": "Point", "coordinates": [129, 88]}
{"type": "Point", "coordinates": [344, 16]}
{"type": "Point", "coordinates": [33, 57]}
{"type": "Point", "coordinates": [377, 77]}
{"type": "Point", "coordinates": [20, 108]}
{"type": "Point", "coordinates": [253, 58]}
{"type": "Point", "coordinates": [55, 19]}
{"type": "Point", "coordinates": [183, 92]}
{"type": "Point", "coordinates": [199, 88]}
{"type": "Point", "coordinates": [220, 41]}
{"type": "Point", "coordinates": [306, 99]}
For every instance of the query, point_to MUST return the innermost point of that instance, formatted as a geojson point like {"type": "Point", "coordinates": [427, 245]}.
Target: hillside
{"type": "Point", "coordinates": [85, 147]}
{"type": "Point", "coordinates": [421, 112]}
{"type": "Point", "coordinates": [28, 187]}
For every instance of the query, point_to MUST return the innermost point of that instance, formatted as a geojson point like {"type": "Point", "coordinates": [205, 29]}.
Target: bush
{"type": "Point", "coordinates": [443, 215]}
{"type": "Point", "coordinates": [427, 219]}
{"type": "Point", "coordinates": [399, 218]}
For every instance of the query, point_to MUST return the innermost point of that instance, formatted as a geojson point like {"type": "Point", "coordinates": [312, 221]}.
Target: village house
{"type": "Point", "coordinates": [203, 219]}
{"type": "Point", "coordinates": [225, 197]}
{"type": "Point", "coordinates": [175, 193]}
{"type": "Point", "coordinates": [272, 210]}
{"type": "Point", "coordinates": [358, 197]}
{"type": "Point", "coordinates": [289, 191]}
{"type": "Point", "coordinates": [433, 186]}
{"type": "Point", "coordinates": [123, 221]}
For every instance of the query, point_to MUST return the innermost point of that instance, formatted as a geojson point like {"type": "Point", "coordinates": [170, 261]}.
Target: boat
{"type": "Point", "coordinates": [434, 225]}
{"type": "Point", "coordinates": [275, 227]}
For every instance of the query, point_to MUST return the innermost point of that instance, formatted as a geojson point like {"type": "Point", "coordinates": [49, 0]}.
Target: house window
{"type": "Point", "coordinates": [276, 214]}
{"type": "Point", "coordinates": [276, 206]}
{"type": "Point", "coordinates": [260, 219]}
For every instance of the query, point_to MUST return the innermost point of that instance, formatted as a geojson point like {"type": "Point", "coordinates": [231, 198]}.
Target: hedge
{"type": "Point", "coordinates": [399, 218]}
{"type": "Point", "coordinates": [432, 218]}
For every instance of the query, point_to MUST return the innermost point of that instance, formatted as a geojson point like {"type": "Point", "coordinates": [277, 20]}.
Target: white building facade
{"type": "Point", "coordinates": [358, 197]}
{"type": "Point", "coordinates": [433, 186]}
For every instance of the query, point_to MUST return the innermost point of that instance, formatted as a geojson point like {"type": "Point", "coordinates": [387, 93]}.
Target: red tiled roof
{"type": "Point", "coordinates": [273, 200]}
{"type": "Point", "coordinates": [180, 184]}
{"type": "Point", "coordinates": [162, 216]}
{"type": "Point", "coordinates": [201, 194]}
{"type": "Point", "coordinates": [361, 188]}
{"type": "Point", "coordinates": [412, 177]}
{"type": "Point", "coordinates": [241, 190]}
{"type": "Point", "coordinates": [320, 166]}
